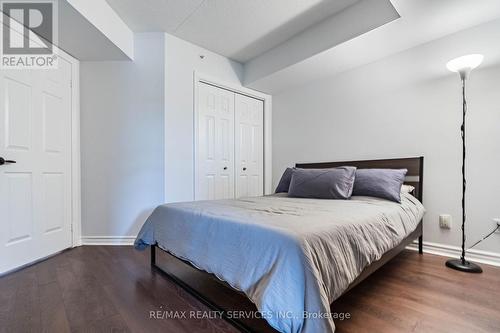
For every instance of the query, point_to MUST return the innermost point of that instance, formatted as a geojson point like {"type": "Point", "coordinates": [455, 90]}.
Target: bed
{"type": "Point", "coordinates": [291, 257]}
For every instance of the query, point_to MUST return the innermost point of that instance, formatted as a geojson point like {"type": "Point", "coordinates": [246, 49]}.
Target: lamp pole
{"type": "Point", "coordinates": [464, 181]}
{"type": "Point", "coordinates": [463, 66]}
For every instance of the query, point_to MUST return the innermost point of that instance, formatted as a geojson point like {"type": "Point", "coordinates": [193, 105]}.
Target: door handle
{"type": "Point", "coordinates": [225, 168]}
{"type": "Point", "coordinates": [244, 169]}
{"type": "Point", "coordinates": [4, 161]}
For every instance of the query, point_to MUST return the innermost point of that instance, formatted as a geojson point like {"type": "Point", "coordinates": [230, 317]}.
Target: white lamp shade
{"type": "Point", "coordinates": [465, 63]}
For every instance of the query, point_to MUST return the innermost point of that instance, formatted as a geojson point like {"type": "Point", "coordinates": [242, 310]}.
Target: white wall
{"type": "Point", "coordinates": [395, 108]}
{"type": "Point", "coordinates": [182, 59]}
{"type": "Point", "coordinates": [122, 139]}
{"type": "Point", "coordinates": [137, 131]}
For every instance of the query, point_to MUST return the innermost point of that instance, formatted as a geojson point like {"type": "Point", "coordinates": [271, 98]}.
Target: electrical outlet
{"type": "Point", "coordinates": [445, 221]}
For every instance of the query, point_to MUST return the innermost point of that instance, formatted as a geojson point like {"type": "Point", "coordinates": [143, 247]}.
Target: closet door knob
{"type": "Point", "coordinates": [244, 169]}
{"type": "Point", "coordinates": [225, 168]}
{"type": "Point", "coordinates": [4, 161]}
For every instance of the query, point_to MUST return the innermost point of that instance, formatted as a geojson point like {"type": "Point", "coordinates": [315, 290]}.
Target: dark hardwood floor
{"type": "Point", "coordinates": [113, 289]}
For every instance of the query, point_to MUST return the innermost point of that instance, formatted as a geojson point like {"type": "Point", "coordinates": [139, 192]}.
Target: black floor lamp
{"type": "Point", "coordinates": [463, 66]}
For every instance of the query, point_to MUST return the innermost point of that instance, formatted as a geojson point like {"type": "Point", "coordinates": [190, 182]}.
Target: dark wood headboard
{"type": "Point", "coordinates": [414, 177]}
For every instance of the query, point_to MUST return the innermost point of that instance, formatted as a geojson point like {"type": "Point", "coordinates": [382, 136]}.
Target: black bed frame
{"type": "Point", "coordinates": [414, 177]}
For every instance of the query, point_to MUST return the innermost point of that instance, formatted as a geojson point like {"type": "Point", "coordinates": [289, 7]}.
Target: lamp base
{"type": "Point", "coordinates": [464, 266]}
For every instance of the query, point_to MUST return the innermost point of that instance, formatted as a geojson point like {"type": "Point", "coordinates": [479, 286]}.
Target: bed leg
{"type": "Point", "coordinates": [420, 245]}
{"type": "Point", "coordinates": [153, 255]}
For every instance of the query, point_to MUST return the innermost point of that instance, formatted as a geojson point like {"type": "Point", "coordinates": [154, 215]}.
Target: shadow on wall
{"type": "Point", "coordinates": [139, 221]}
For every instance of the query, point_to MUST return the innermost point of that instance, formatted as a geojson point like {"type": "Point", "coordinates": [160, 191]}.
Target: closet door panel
{"type": "Point", "coordinates": [225, 182]}
{"type": "Point", "coordinates": [215, 145]}
{"type": "Point", "coordinates": [249, 154]}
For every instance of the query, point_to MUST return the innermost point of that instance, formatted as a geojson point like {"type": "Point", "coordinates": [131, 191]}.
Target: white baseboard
{"type": "Point", "coordinates": [484, 257]}
{"type": "Point", "coordinates": [108, 240]}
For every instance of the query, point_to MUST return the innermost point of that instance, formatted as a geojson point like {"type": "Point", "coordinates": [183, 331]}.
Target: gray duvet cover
{"type": "Point", "coordinates": [292, 257]}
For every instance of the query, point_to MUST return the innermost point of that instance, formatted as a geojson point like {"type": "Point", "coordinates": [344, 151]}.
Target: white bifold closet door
{"type": "Point", "coordinates": [229, 145]}
{"type": "Point", "coordinates": [249, 152]}
{"type": "Point", "coordinates": [215, 162]}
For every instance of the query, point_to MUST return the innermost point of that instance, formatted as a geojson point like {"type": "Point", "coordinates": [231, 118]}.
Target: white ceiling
{"type": "Point", "coordinates": [421, 22]}
{"type": "Point", "coordinates": [286, 43]}
{"type": "Point", "coordinates": [238, 29]}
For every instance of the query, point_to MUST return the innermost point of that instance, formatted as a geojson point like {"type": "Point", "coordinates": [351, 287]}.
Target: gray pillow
{"type": "Point", "coordinates": [284, 183]}
{"type": "Point", "coordinates": [380, 183]}
{"type": "Point", "coordinates": [335, 183]}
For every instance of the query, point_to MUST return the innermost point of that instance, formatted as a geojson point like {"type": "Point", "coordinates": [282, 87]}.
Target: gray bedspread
{"type": "Point", "coordinates": [292, 257]}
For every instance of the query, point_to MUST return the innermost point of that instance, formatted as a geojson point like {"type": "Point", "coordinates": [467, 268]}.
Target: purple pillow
{"type": "Point", "coordinates": [380, 183]}
{"type": "Point", "coordinates": [284, 183]}
{"type": "Point", "coordinates": [334, 183]}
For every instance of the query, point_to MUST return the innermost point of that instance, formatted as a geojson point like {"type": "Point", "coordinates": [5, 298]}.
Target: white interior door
{"type": "Point", "coordinates": [249, 155]}
{"type": "Point", "coordinates": [35, 192]}
{"type": "Point", "coordinates": [215, 144]}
